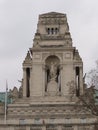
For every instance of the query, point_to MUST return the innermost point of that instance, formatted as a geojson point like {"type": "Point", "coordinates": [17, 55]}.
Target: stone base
{"type": "Point", "coordinates": [52, 88]}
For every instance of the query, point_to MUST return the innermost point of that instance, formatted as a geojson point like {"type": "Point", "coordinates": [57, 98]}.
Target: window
{"type": "Point", "coordinates": [48, 30]}
{"type": "Point", "coordinates": [22, 121]}
{"type": "Point", "coordinates": [56, 30]}
{"type": "Point", "coordinates": [52, 31]}
{"type": "Point", "coordinates": [28, 81]}
{"type": "Point", "coordinates": [77, 81]}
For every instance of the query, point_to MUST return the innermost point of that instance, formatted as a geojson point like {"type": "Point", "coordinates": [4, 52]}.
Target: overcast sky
{"type": "Point", "coordinates": [18, 22]}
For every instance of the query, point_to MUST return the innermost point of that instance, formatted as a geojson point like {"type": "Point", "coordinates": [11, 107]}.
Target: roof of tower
{"type": "Point", "coordinates": [53, 14]}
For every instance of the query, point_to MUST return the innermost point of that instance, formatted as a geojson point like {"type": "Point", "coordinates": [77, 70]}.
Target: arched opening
{"type": "Point", "coordinates": [28, 82]}
{"type": "Point", "coordinates": [77, 81]}
{"type": "Point", "coordinates": [56, 30]}
{"type": "Point", "coordinates": [52, 30]}
{"type": "Point", "coordinates": [52, 71]}
{"type": "Point", "coordinates": [48, 30]}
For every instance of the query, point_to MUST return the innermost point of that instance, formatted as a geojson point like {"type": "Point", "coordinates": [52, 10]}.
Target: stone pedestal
{"type": "Point", "coordinates": [52, 88]}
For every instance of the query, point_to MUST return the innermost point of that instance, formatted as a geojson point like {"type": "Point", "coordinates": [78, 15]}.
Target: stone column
{"type": "Point", "coordinates": [81, 80]}
{"type": "Point", "coordinates": [30, 87]}
{"type": "Point", "coordinates": [61, 79]}
{"type": "Point", "coordinates": [74, 74]}
{"type": "Point", "coordinates": [44, 78]}
{"type": "Point", "coordinates": [74, 78]}
{"type": "Point", "coordinates": [24, 82]}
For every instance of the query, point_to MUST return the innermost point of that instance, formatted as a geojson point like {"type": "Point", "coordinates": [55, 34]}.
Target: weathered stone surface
{"type": "Point", "coordinates": [52, 82]}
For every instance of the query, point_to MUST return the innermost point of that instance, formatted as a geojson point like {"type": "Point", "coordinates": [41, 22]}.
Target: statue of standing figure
{"type": "Point", "coordinates": [53, 71]}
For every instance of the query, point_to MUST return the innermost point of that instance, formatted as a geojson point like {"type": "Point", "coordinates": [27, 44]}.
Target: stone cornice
{"type": "Point", "coordinates": [39, 49]}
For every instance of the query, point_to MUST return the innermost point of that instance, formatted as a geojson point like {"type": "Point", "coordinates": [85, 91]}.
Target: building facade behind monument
{"type": "Point", "coordinates": [52, 82]}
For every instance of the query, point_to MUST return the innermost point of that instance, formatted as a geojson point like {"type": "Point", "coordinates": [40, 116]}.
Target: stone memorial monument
{"type": "Point", "coordinates": [52, 82]}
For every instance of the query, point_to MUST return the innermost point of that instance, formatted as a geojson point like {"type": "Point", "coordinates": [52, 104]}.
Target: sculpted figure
{"type": "Point", "coordinates": [53, 71]}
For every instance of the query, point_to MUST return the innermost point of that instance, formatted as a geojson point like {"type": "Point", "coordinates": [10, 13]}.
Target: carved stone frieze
{"type": "Point", "coordinates": [54, 37]}
{"type": "Point", "coordinates": [51, 21]}
{"type": "Point", "coordinates": [49, 111]}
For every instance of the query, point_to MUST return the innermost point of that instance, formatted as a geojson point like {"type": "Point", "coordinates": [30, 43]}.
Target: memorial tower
{"type": "Point", "coordinates": [52, 65]}
{"type": "Point", "coordinates": [52, 83]}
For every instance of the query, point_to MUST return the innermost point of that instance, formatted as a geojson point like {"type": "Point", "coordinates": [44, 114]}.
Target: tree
{"type": "Point", "coordinates": [88, 100]}
{"type": "Point", "coordinates": [92, 76]}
